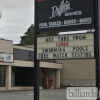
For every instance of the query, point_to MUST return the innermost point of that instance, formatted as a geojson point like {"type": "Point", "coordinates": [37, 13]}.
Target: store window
{"type": "Point", "coordinates": [13, 77]}
{"type": "Point", "coordinates": [2, 76]}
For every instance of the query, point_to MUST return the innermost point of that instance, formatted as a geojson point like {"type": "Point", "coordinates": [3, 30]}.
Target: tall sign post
{"type": "Point", "coordinates": [66, 15]}
{"type": "Point", "coordinates": [36, 62]}
{"type": "Point", "coordinates": [97, 42]}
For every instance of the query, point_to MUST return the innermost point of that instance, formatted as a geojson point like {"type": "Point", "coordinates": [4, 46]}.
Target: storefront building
{"type": "Point", "coordinates": [17, 69]}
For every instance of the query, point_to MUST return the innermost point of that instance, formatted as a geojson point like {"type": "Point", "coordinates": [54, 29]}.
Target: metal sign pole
{"type": "Point", "coordinates": [36, 62]}
{"type": "Point", "coordinates": [97, 42]}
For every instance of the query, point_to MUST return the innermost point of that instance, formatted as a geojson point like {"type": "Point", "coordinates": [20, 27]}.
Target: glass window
{"type": "Point", "coordinates": [13, 77]}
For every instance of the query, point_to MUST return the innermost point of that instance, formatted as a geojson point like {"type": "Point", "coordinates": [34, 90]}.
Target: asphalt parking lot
{"type": "Point", "coordinates": [57, 94]}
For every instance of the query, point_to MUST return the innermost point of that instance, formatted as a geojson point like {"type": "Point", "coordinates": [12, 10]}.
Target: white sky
{"type": "Point", "coordinates": [17, 16]}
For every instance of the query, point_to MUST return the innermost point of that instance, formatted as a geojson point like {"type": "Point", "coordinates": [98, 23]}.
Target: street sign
{"type": "Point", "coordinates": [66, 46]}
{"type": "Point", "coordinates": [65, 15]}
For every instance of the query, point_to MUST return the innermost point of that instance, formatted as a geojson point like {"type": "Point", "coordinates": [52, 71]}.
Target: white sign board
{"type": "Point", "coordinates": [66, 46]}
{"type": "Point", "coordinates": [6, 57]}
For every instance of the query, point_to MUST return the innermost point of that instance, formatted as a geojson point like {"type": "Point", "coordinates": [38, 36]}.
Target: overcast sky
{"type": "Point", "coordinates": [17, 16]}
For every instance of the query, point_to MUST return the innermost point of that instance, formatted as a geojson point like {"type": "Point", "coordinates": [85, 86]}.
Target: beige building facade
{"type": "Point", "coordinates": [78, 72]}
{"type": "Point", "coordinates": [19, 74]}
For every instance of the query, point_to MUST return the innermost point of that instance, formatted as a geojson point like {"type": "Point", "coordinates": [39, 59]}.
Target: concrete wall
{"type": "Point", "coordinates": [24, 88]}
{"type": "Point", "coordinates": [79, 72]}
{"type": "Point", "coordinates": [30, 46]}
{"type": "Point", "coordinates": [50, 65]}
{"type": "Point", "coordinates": [23, 48]}
{"type": "Point", "coordinates": [19, 63]}
{"type": "Point", "coordinates": [76, 82]}
{"type": "Point", "coordinates": [6, 46]}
